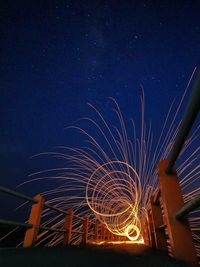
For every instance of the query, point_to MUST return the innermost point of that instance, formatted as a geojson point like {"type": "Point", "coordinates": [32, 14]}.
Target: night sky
{"type": "Point", "coordinates": [56, 56]}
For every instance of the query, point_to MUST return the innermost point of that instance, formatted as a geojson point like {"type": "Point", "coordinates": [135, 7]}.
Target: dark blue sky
{"type": "Point", "coordinates": [58, 55]}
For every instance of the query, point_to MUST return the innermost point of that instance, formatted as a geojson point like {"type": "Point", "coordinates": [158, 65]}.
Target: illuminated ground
{"type": "Point", "coordinates": [100, 256]}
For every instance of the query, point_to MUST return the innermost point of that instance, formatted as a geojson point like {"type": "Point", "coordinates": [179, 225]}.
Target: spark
{"type": "Point", "coordinates": [112, 177]}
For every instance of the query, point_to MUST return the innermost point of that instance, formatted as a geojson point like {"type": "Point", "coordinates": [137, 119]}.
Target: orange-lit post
{"type": "Point", "coordinates": [96, 227]}
{"type": "Point", "coordinates": [106, 234]}
{"type": "Point", "coordinates": [148, 229]}
{"type": "Point", "coordinates": [109, 235]}
{"type": "Point", "coordinates": [145, 233]}
{"type": "Point", "coordinates": [113, 237]}
{"type": "Point", "coordinates": [103, 232]}
{"type": "Point", "coordinates": [157, 221]}
{"type": "Point", "coordinates": [34, 219]}
{"type": "Point", "coordinates": [85, 230]}
{"type": "Point", "coordinates": [179, 232]}
{"type": "Point", "coordinates": [151, 230]}
{"type": "Point", "coordinates": [68, 227]}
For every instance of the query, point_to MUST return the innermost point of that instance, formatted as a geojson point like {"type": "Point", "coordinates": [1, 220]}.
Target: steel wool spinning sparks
{"type": "Point", "coordinates": [113, 193]}
{"type": "Point", "coordinates": [112, 178]}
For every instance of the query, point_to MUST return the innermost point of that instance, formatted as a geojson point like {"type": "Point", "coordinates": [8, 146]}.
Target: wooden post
{"type": "Point", "coordinates": [96, 227]}
{"type": "Point", "coordinates": [68, 227]}
{"type": "Point", "coordinates": [179, 232]}
{"type": "Point", "coordinates": [34, 219]}
{"type": "Point", "coordinates": [103, 232]}
{"type": "Point", "coordinates": [145, 232]}
{"type": "Point", "coordinates": [113, 237]}
{"type": "Point", "coordinates": [108, 234]}
{"type": "Point", "coordinates": [151, 230]}
{"type": "Point", "coordinates": [85, 230]}
{"type": "Point", "coordinates": [159, 235]}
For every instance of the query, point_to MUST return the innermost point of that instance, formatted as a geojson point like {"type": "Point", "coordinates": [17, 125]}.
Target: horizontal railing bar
{"type": "Point", "coordinates": [82, 218]}
{"type": "Point", "coordinates": [16, 194]}
{"type": "Point", "coordinates": [13, 223]}
{"type": "Point", "coordinates": [92, 234]}
{"type": "Point", "coordinates": [188, 207]}
{"type": "Point", "coordinates": [52, 229]}
{"type": "Point", "coordinates": [188, 120]}
{"type": "Point", "coordinates": [91, 222]}
{"type": "Point", "coordinates": [77, 232]}
{"type": "Point", "coordinates": [56, 209]}
{"type": "Point", "coordinates": [24, 197]}
{"type": "Point", "coordinates": [78, 217]}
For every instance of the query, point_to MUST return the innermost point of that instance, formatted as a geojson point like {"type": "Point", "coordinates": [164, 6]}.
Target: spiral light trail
{"type": "Point", "coordinates": [112, 177]}
{"type": "Point", "coordinates": [113, 193]}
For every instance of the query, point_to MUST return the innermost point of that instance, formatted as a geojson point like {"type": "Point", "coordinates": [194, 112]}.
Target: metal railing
{"type": "Point", "coordinates": [188, 120]}
{"type": "Point", "coordinates": [168, 228]}
{"type": "Point", "coordinates": [99, 232]}
{"type": "Point", "coordinates": [188, 207]}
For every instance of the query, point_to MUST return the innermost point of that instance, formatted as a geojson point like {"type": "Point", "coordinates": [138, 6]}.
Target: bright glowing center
{"type": "Point", "coordinates": [132, 232]}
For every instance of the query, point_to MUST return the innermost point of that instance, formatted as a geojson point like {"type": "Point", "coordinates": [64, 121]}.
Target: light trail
{"type": "Point", "coordinates": [112, 177]}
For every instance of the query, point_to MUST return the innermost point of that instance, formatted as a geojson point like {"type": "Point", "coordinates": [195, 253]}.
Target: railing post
{"type": "Point", "coordinates": [145, 232]}
{"type": "Point", "coordinates": [108, 234]}
{"type": "Point", "coordinates": [68, 227]}
{"type": "Point", "coordinates": [34, 219]}
{"type": "Point", "coordinates": [160, 238]}
{"type": "Point", "coordinates": [113, 237]}
{"type": "Point", "coordinates": [85, 230]}
{"type": "Point", "coordinates": [96, 228]}
{"type": "Point", "coordinates": [179, 232]}
{"type": "Point", "coordinates": [103, 232]}
{"type": "Point", "coordinates": [151, 231]}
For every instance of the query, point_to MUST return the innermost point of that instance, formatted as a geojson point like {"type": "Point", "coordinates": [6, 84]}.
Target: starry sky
{"type": "Point", "coordinates": [56, 56]}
